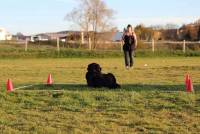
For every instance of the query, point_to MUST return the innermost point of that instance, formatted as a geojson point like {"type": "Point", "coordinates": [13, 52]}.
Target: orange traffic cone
{"type": "Point", "coordinates": [49, 80]}
{"type": "Point", "coordinates": [187, 77]}
{"type": "Point", "coordinates": [189, 84]}
{"type": "Point", "coordinates": [9, 86]}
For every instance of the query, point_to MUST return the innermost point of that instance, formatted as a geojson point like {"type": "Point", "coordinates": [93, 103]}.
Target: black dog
{"type": "Point", "coordinates": [96, 79]}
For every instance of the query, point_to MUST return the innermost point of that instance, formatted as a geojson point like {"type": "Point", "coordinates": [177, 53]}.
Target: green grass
{"type": "Point", "coordinates": [152, 99]}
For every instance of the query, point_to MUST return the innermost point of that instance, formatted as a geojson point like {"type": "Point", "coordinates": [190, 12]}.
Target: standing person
{"type": "Point", "coordinates": [130, 44]}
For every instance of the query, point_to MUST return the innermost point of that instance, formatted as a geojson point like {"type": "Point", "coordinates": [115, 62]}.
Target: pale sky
{"type": "Point", "coordinates": [36, 16]}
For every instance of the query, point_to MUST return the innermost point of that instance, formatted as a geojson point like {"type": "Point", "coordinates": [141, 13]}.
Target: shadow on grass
{"type": "Point", "coordinates": [126, 87]}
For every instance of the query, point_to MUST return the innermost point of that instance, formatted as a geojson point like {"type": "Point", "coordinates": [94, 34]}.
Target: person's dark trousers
{"type": "Point", "coordinates": [128, 55]}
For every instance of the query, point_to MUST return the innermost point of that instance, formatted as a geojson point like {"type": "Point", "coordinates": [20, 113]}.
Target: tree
{"type": "Point", "coordinates": [197, 22]}
{"type": "Point", "coordinates": [199, 34]}
{"type": "Point", "coordinates": [164, 27]}
{"type": "Point", "coordinates": [92, 16]}
{"type": "Point", "coordinates": [187, 36]}
{"type": "Point", "coordinates": [144, 33]}
{"type": "Point", "coordinates": [171, 26]}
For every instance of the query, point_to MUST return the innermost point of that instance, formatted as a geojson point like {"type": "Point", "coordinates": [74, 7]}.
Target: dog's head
{"type": "Point", "coordinates": [94, 68]}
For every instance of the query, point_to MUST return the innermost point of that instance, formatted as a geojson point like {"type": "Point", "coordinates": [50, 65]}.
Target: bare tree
{"type": "Point", "coordinates": [92, 16]}
{"type": "Point", "coordinates": [199, 34]}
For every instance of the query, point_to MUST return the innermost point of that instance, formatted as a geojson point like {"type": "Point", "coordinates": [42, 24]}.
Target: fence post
{"type": "Point", "coordinates": [184, 46]}
{"type": "Point", "coordinates": [67, 43]}
{"type": "Point", "coordinates": [121, 44]}
{"type": "Point", "coordinates": [82, 38]}
{"type": "Point", "coordinates": [58, 44]}
{"type": "Point", "coordinates": [153, 45]}
{"type": "Point", "coordinates": [90, 45]}
{"type": "Point", "coordinates": [26, 45]}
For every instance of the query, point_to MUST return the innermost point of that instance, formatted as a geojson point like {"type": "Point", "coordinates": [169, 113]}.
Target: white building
{"type": "Point", "coordinates": [4, 35]}
{"type": "Point", "coordinates": [40, 37]}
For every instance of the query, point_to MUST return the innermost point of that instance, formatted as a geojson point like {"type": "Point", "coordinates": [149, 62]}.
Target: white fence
{"type": "Point", "coordinates": [151, 45]}
{"type": "Point", "coordinates": [184, 44]}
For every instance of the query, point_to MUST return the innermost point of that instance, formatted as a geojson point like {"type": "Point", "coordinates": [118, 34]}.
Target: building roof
{"type": "Point", "coordinates": [117, 36]}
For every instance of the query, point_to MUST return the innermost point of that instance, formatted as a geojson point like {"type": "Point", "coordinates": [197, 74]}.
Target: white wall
{"type": "Point", "coordinates": [4, 35]}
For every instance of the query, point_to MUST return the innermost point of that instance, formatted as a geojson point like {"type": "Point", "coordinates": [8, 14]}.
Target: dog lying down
{"type": "Point", "coordinates": [95, 78]}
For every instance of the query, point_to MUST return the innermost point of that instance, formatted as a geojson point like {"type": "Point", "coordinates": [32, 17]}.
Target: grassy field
{"type": "Point", "coordinates": [152, 99]}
